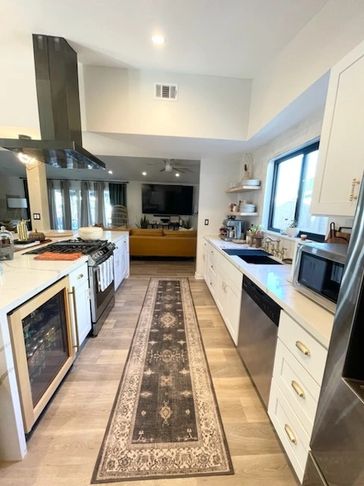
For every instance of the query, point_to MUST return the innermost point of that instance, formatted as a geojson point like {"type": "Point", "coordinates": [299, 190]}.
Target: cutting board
{"type": "Point", "coordinates": [48, 255]}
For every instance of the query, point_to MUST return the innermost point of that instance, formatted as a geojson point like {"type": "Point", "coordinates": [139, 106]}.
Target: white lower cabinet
{"type": "Point", "coordinates": [80, 304]}
{"type": "Point", "coordinates": [121, 261]}
{"type": "Point", "coordinates": [297, 376]}
{"type": "Point", "coordinates": [289, 429]}
{"type": "Point", "coordinates": [225, 284]}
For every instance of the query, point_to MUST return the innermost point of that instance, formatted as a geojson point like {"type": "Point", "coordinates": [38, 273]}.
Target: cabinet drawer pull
{"type": "Point", "coordinates": [224, 286]}
{"type": "Point", "coordinates": [290, 434]}
{"type": "Point", "coordinates": [297, 388]}
{"type": "Point", "coordinates": [80, 276]}
{"type": "Point", "coordinates": [304, 349]}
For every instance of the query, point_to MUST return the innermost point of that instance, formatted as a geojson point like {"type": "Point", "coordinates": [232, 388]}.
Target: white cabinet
{"type": "Point", "coordinates": [80, 304]}
{"type": "Point", "coordinates": [121, 260]}
{"type": "Point", "coordinates": [297, 376]}
{"type": "Point", "coordinates": [341, 154]}
{"type": "Point", "coordinates": [224, 282]}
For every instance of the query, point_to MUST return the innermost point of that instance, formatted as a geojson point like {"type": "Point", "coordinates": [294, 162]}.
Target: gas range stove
{"type": "Point", "coordinates": [97, 250]}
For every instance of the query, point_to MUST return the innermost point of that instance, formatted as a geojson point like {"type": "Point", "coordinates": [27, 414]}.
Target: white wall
{"type": "Point", "coordinates": [18, 97]}
{"type": "Point", "coordinates": [216, 175]}
{"type": "Point", "coordinates": [122, 101]}
{"type": "Point", "coordinates": [330, 34]}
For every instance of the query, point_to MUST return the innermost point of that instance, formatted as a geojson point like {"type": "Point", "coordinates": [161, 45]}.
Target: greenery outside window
{"type": "Point", "coordinates": [293, 179]}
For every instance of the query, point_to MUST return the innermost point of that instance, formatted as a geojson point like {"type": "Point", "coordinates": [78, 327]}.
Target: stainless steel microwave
{"type": "Point", "coordinates": [318, 271]}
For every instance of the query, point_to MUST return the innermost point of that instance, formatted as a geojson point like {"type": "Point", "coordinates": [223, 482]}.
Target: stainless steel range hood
{"type": "Point", "coordinates": [59, 109]}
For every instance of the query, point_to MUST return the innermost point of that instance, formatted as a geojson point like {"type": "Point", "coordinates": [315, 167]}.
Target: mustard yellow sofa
{"type": "Point", "coordinates": [162, 243]}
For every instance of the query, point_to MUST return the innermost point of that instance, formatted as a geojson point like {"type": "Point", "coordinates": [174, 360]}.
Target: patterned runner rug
{"type": "Point", "coordinates": [165, 422]}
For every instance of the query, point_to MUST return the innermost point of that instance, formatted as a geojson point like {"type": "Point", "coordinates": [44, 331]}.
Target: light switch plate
{"type": "Point", "coordinates": [36, 216]}
{"type": "Point", "coordinates": [207, 222]}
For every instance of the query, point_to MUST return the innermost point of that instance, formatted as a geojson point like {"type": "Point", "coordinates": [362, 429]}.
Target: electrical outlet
{"type": "Point", "coordinates": [207, 222]}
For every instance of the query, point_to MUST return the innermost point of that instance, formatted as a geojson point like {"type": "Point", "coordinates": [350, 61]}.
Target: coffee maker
{"type": "Point", "coordinates": [234, 229]}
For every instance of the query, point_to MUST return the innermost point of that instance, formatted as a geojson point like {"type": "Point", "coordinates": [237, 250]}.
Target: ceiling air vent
{"type": "Point", "coordinates": [166, 91]}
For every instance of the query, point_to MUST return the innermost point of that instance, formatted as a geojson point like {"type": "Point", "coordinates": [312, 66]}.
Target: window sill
{"type": "Point", "coordinates": [280, 236]}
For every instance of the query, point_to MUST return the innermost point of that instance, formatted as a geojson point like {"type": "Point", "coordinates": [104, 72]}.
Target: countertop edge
{"type": "Point", "coordinates": [323, 339]}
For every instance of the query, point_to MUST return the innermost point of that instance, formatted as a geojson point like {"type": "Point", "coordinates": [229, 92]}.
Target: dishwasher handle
{"type": "Point", "coordinates": [263, 301]}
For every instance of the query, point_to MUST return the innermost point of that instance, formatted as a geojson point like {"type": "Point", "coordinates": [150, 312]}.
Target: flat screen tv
{"type": "Point", "coordinates": [163, 199]}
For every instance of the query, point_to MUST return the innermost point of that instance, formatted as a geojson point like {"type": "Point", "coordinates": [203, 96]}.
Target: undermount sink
{"type": "Point", "coordinates": [256, 257]}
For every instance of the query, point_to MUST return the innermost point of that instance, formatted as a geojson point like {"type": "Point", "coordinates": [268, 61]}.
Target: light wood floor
{"type": "Point", "coordinates": [64, 446]}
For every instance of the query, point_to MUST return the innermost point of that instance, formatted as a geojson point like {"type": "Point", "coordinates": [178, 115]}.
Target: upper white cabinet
{"type": "Point", "coordinates": [121, 260]}
{"type": "Point", "coordinates": [341, 154]}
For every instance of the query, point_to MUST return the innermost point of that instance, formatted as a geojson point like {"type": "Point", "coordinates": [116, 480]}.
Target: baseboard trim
{"type": "Point", "coordinates": [198, 276]}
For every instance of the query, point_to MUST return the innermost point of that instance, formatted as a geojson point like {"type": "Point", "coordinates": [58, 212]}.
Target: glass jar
{"type": "Point", "coordinates": [6, 244]}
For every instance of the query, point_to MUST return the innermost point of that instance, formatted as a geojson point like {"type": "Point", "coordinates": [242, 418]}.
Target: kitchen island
{"type": "Point", "coordinates": [21, 279]}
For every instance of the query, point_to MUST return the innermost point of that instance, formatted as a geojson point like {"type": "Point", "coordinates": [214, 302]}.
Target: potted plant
{"type": "Point", "coordinates": [292, 229]}
{"type": "Point", "coordinates": [144, 222]}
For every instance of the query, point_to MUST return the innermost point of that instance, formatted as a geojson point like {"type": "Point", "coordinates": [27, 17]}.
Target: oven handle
{"type": "Point", "coordinates": [73, 293]}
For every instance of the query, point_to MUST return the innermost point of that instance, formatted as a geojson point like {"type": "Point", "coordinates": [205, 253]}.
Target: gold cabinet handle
{"type": "Point", "coordinates": [298, 389]}
{"type": "Point", "coordinates": [304, 349]}
{"type": "Point", "coordinates": [290, 434]}
{"type": "Point", "coordinates": [353, 196]}
{"type": "Point", "coordinates": [73, 293]}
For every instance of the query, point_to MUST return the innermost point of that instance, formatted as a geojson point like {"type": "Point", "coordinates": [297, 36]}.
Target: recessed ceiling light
{"type": "Point", "coordinates": [177, 174]}
{"type": "Point", "coordinates": [144, 173]}
{"type": "Point", "coordinates": [110, 171]}
{"type": "Point", "coordinates": [158, 39]}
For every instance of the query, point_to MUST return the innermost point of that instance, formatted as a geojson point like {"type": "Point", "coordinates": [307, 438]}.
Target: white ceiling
{"type": "Point", "coordinates": [123, 169]}
{"type": "Point", "coordinates": [233, 38]}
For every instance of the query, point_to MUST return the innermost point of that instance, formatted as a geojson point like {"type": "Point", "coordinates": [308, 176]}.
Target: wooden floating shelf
{"type": "Point", "coordinates": [233, 213]}
{"type": "Point", "coordinates": [243, 188]}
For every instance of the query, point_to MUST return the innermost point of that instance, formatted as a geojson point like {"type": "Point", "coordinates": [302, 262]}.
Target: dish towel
{"type": "Point", "coordinates": [105, 274]}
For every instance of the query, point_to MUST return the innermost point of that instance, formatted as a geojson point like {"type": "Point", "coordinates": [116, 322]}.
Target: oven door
{"type": "Point", "coordinates": [318, 275]}
{"type": "Point", "coordinates": [102, 295]}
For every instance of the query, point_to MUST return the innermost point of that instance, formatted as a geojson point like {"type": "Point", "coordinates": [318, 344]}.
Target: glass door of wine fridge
{"type": "Point", "coordinates": [42, 342]}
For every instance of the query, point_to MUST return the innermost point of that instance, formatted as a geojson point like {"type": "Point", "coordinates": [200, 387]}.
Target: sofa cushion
{"type": "Point", "coordinates": [180, 234]}
{"type": "Point", "coordinates": [146, 232]}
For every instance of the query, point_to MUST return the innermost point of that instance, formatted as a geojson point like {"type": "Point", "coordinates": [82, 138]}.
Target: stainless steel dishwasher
{"type": "Point", "coordinates": [259, 319]}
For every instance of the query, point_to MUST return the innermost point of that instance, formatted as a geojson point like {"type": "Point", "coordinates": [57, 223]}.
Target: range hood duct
{"type": "Point", "coordinates": [56, 77]}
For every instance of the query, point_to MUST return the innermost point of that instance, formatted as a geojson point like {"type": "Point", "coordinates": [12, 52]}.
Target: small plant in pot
{"type": "Point", "coordinates": [144, 222]}
{"type": "Point", "coordinates": [292, 229]}
{"type": "Point", "coordinates": [187, 224]}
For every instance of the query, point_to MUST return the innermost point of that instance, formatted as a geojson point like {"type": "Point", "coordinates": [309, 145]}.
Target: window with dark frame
{"type": "Point", "coordinates": [292, 185]}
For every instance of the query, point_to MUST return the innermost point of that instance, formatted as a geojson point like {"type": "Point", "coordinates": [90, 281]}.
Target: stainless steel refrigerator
{"type": "Point", "coordinates": [337, 444]}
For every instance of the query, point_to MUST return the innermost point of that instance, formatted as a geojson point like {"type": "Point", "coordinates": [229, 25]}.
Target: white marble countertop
{"type": "Point", "coordinates": [273, 279]}
{"type": "Point", "coordinates": [23, 277]}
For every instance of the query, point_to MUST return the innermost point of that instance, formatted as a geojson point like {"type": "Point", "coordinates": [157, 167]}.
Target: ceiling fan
{"type": "Point", "coordinates": [170, 165]}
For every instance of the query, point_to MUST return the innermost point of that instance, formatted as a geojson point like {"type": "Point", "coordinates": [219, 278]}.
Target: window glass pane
{"type": "Point", "coordinates": [92, 199]}
{"type": "Point", "coordinates": [286, 191]}
{"type": "Point", "coordinates": [108, 207]}
{"type": "Point", "coordinates": [75, 202]}
{"type": "Point", "coordinates": [307, 222]}
{"type": "Point", "coordinates": [57, 194]}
